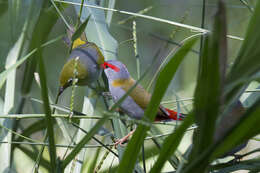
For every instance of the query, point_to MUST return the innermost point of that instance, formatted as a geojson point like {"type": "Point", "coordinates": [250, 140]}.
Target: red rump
{"type": "Point", "coordinates": [113, 67]}
{"type": "Point", "coordinates": [173, 115]}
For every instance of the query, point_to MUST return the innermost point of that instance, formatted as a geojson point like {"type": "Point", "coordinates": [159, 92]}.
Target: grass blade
{"type": "Point", "coordinates": [208, 93]}
{"type": "Point", "coordinates": [3, 7]}
{"type": "Point", "coordinates": [240, 133]}
{"type": "Point", "coordinates": [80, 30]}
{"type": "Point", "coordinates": [81, 144]}
{"type": "Point", "coordinates": [170, 144]}
{"type": "Point", "coordinates": [13, 55]}
{"type": "Point", "coordinates": [4, 74]}
{"type": "Point", "coordinates": [47, 110]}
{"type": "Point", "coordinates": [41, 31]}
{"type": "Point", "coordinates": [111, 4]}
{"type": "Point", "coordinates": [45, 163]}
{"type": "Point", "coordinates": [247, 64]}
{"type": "Point", "coordinates": [88, 109]}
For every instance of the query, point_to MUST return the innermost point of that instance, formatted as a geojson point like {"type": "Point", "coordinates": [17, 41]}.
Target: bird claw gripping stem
{"type": "Point", "coordinates": [107, 95]}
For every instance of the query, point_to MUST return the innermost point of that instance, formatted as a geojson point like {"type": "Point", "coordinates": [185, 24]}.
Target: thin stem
{"type": "Point", "coordinates": [192, 28]}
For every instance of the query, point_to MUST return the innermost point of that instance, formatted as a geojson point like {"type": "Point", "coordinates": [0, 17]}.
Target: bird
{"type": "Point", "coordinates": [85, 63]}
{"type": "Point", "coordinates": [119, 82]}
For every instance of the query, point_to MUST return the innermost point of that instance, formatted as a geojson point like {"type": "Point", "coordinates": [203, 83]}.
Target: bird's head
{"type": "Point", "coordinates": [115, 70]}
{"type": "Point", "coordinates": [84, 64]}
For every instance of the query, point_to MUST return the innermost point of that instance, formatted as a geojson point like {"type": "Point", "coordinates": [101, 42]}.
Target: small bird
{"type": "Point", "coordinates": [120, 82]}
{"type": "Point", "coordinates": [85, 63]}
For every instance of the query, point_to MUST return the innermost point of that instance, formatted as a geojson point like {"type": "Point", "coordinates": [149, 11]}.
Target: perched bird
{"type": "Point", "coordinates": [235, 113]}
{"type": "Point", "coordinates": [120, 82]}
{"type": "Point", "coordinates": [84, 64]}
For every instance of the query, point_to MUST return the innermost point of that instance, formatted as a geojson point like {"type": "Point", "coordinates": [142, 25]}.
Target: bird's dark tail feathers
{"type": "Point", "coordinates": [171, 115]}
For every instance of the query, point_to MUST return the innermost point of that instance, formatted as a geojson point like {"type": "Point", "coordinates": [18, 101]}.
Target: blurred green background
{"type": "Point", "coordinates": [155, 40]}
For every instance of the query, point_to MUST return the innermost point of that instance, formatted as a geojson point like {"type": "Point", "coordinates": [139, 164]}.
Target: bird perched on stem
{"type": "Point", "coordinates": [84, 64]}
{"type": "Point", "coordinates": [120, 82]}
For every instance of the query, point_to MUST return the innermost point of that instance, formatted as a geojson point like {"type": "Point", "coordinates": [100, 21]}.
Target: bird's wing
{"type": "Point", "coordinates": [142, 98]}
{"type": "Point", "coordinates": [138, 94]}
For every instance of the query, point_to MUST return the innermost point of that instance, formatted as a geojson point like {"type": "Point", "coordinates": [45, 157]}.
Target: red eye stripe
{"type": "Point", "coordinates": [106, 65]}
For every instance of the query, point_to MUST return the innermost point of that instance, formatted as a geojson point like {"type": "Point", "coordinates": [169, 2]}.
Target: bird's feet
{"type": "Point", "coordinates": [107, 95]}
{"type": "Point", "coordinates": [237, 159]}
{"type": "Point", "coordinates": [124, 139]}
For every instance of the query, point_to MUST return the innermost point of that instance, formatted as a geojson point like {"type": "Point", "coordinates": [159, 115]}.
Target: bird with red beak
{"type": "Point", "coordinates": [134, 105]}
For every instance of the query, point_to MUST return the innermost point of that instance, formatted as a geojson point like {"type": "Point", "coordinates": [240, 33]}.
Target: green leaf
{"type": "Point", "coordinates": [41, 31]}
{"type": "Point", "coordinates": [170, 144]}
{"type": "Point", "coordinates": [93, 163]}
{"type": "Point", "coordinates": [208, 95]}
{"type": "Point", "coordinates": [47, 110]}
{"type": "Point", "coordinates": [240, 133]}
{"type": "Point", "coordinates": [3, 6]}
{"type": "Point", "coordinates": [164, 79]}
{"type": "Point", "coordinates": [9, 104]}
{"type": "Point", "coordinates": [4, 74]}
{"type": "Point", "coordinates": [80, 30]}
{"type": "Point", "coordinates": [247, 65]}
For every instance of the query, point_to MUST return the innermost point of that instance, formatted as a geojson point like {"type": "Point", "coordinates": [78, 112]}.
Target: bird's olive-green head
{"type": "Point", "coordinates": [84, 64]}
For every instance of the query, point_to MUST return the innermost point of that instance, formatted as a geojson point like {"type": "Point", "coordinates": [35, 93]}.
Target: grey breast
{"type": "Point", "coordinates": [128, 105]}
{"type": "Point", "coordinates": [88, 57]}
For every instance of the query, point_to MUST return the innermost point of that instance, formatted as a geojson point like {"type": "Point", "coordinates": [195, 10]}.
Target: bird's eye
{"type": "Point", "coordinates": [70, 81]}
{"type": "Point", "coordinates": [106, 65]}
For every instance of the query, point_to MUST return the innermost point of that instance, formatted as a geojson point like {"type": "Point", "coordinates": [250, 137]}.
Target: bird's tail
{"type": "Point", "coordinates": [174, 115]}
{"type": "Point", "coordinates": [170, 115]}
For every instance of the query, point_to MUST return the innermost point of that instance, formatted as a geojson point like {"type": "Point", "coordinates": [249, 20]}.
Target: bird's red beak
{"type": "Point", "coordinates": [106, 65]}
